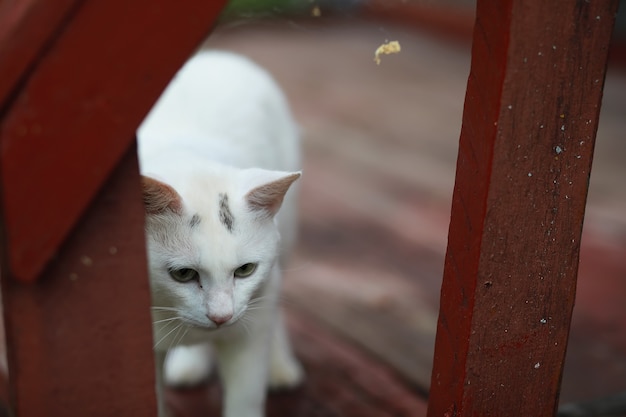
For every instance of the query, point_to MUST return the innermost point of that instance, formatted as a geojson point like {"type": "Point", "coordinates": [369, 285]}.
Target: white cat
{"type": "Point", "coordinates": [218, 153]}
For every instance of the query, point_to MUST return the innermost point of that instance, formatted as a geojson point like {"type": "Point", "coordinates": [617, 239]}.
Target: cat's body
{"type": "Point", "coordinates": [218, 153]}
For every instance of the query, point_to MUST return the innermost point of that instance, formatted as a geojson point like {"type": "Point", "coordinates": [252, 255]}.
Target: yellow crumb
{"type": "Point", "coordinates": [392, 47]}
{"type": "Point", "coordinates": [316, 12]}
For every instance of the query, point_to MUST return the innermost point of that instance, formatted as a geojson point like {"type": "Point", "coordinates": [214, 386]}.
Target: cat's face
{"type": "Point", "coordinates": [212, 244]}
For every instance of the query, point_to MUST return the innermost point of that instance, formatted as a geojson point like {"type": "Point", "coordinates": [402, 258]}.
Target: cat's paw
{"type": "Point", "coordinates": [188, 366]}
{"type": "Point", "coordinates": [286, 373]}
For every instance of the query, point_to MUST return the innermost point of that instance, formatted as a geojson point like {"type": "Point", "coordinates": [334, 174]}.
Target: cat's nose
{"type": "Point", "coordinates": [219, 319]}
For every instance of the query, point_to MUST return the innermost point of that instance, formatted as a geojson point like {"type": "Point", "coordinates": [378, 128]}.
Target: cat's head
{"type": "Point", "coordinates": [212, 242]}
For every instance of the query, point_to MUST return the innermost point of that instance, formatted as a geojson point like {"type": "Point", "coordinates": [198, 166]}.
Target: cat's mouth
{"type": "Point", "coordinates": [211, 326]}
{"type": "Point", "coordinates": [195, 324]}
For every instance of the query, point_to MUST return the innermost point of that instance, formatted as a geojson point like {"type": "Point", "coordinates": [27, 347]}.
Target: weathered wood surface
{"type": "Point", "coordinates": [25, 28]}
{"type": "Point", "coordinates": [380, 164]}
{"type": "Point", "coordinates": [79, 338]}
{"type": "Point", "coordinates": [76, 80]}
{"type": "Point", "coordinates": [529, 125]}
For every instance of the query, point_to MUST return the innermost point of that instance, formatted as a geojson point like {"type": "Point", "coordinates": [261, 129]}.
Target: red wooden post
{"type": "Point", "coordinates": [76, 78]}
{"type": "Point", "coordinates": [529, 125]}
{"type": "Point", "coordinates": [79, 338]}
{"type": "Point", "coordinates": [69, 112]}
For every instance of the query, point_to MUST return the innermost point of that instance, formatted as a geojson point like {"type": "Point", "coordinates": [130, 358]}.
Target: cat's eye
{"type": "Point", "coordinates": [245, 270]}
{"type": "Point", "coordinates": [183, 274]}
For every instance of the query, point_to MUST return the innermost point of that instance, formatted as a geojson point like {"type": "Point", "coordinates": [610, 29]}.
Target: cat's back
{"type": "Point", "coordinates": [222, 107]}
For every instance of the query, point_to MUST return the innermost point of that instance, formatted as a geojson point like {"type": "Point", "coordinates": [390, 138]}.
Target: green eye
{"type": "Point", "coordinates": [245, 270]}
{"type": "Point", "coordinates": [184, 274]}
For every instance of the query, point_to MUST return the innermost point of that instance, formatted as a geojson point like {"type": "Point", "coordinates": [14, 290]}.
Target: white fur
{"type": "Point", "coordinates": [222, 127]}
{"type": "Point", "coordinates": [188, 365]}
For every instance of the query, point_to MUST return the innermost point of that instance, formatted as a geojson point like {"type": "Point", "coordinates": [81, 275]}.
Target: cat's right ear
{"type": "Point", "coordinates": [159, 198]}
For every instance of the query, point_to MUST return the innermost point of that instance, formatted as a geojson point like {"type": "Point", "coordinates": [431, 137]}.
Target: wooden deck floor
{"type": "Point", "coordinates": [379, 161]}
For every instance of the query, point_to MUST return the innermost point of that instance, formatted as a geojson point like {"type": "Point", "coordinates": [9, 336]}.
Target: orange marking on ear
{"type": "Point", "coordinates": [159, 197]}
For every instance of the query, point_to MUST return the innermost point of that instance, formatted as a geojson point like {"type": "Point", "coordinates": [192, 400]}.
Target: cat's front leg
{"type": "Point", "coordinates": [285, 370]}
{"type": "Point", "coordinates": [243, 366]}
{"type": "Point", "coordinates": [159, 359]}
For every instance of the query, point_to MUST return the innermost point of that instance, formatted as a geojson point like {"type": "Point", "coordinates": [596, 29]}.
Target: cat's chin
{"type": "Point", "coordinates": [207, 326]}
{"type": "Point", "coordinates": [204, 326]}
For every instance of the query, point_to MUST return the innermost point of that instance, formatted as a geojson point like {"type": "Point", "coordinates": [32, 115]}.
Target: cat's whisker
{"type": "Point", "coordinates": [261, 298]}
{"type": "Point", "coordinates": [167, 334]}
{"type": "Point", "coordinates": [167, 324]}
{"type": "Point", "coordinates": [163, 308]}
{"type": "Point", "coordinates": [244, 324]}
{"type": "Point", "coordinates": [172, 344]}
{"type": "Point", "coordinates": [250, 307]}
{"type": "Point", "coordinates": [165, 320]}
{"type": "Point", "coordinates": [183, 335]}
{"type": "Point", "coordinates": [259, 308]}
{"type": "Point", "coordinates": [258, 303]}
{"type": "Point", "coordinates": [258, 300]}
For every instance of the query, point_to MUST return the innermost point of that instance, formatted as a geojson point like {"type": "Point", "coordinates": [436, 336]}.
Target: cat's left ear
{"type": "Point", "coordinates": [267, 196]}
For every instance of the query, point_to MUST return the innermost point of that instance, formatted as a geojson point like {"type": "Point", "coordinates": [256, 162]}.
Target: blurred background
{"type": "Point", "coordinates": [380, 144]}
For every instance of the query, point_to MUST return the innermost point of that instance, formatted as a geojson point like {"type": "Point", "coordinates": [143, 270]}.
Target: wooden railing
{"type": "Point", "coordinates": [76, 79]}
{"type": "Point", "coordinates": [529, 127]}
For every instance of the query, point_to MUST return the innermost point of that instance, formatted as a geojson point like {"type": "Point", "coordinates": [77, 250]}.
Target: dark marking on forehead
{"type": "Point", "coordinates": [226, 217]}
{"type": "Point", "coordinates": [195, 220]}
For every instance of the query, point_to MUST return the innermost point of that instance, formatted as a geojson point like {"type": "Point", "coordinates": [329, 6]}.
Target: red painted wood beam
{"type": "Point", "coordinates": [72, 96]}
{"type": "Point", "coordinates": [76, 78]}
{"type": "Point", "coordinates": [80, 337]}
{"type": "Point", "coordinates": [529, 126]}
{"type": "Point", "coordinates": [25, 28]}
